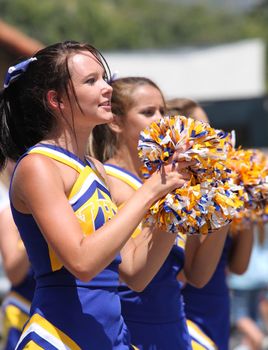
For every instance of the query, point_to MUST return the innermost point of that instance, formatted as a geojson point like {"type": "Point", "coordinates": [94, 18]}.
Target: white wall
{"type": "Point", "coordinates": [235, 70]}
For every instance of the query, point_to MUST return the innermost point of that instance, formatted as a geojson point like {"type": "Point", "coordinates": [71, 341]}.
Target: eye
{"type": "Point", "coordinates": [162, 111]}
{"type": "Point", "coordinates": [90, 81]}
{"type": "Point", "coordinates": [148, 112]}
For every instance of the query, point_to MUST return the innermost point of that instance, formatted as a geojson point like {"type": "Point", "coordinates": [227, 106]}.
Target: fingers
{"type": "Point", "coordinates": [183, 160]}
{"type": "Point", "coordinates": [185, 147]}
{"type": "Point", "coordinates": [183, 164]}
{"type": "Point", "coordinates": [186, 176]}
{"type": "Point", "coordinates": [183, 180]}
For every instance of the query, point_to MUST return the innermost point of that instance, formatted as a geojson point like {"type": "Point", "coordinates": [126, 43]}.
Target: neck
{"type": "Point", "coordinates": [76, 143]}
{"type": "Point", "coordinates": [127, 160]}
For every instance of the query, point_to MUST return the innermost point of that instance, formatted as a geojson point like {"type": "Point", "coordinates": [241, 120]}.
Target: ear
{"type": "Point", "coordinates": [116, 125]}
{"type": "Point", "coordinates": [53, 100]}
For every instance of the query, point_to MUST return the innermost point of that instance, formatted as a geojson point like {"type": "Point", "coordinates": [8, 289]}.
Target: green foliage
{"type": "Point", "coordinates": [120, 24]}
{"type": "Point", "coordinates": [133, 24]}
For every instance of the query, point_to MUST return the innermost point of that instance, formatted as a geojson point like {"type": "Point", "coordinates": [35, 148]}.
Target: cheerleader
{"type": "Point", "coordinates": [61, 203]}
{"type": "Point", "coordinates": [16, 304]}
{"type": "Point", "coordinates": [208, 308]}
{"type": "Point", "coordinates": [155, 316]}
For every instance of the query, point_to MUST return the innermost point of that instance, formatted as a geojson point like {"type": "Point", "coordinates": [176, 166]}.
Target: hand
{"type": "Point", "coordinates": [180, 155]}
{"type": "Point", "coordinates": [172, 175]}
{"type": "Point", "coordinates": [168, 178]}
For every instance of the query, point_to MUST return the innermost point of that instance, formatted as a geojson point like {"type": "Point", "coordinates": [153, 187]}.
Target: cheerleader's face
{"type": "Point", "coordinates": [199, 114]}
{"type": "Point", "coordinates": [92, 104]}
{"type": "Point", "coordinates": [147, 106]}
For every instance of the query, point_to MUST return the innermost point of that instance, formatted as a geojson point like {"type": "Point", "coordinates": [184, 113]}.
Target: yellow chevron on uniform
{"type": "Point", "coordinates": [200, 341]}
{"type": "Point", "coordinates": [17, 310]}
{"type": "Point", "coordinates": [14, 318]}
{"type": "Point", "coordinates": [85, 179]}
{"type": "Point", "coordinates": [32, 346]}
{"type": "Point", "coordinates": [48, 332]}
{"type": "Point", "coordinates": [59, 156]}
{"type": "Point", "coordinates": [181, 240]}
{"type": "Point", "coordinates": [123, 175]}
{"type": "Point", "coordinates": [130, 180]}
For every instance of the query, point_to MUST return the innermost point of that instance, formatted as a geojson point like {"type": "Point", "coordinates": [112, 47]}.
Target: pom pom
{"type": "Point", "coordinates": [251, 172]}
{"type": "Point", "coordinates": [210, 199]}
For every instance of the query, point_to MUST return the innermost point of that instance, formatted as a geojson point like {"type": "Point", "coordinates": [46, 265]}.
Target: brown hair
{"type": "Point", "coordinates": [181, 106]}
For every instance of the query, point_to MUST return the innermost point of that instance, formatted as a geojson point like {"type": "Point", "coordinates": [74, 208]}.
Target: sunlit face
{"type": "Point", "coordinates": [147, 106]}
{"type": "Point", "coordinates": [199, 114]}
{"type": "Point", "coordinates": [92, 91]}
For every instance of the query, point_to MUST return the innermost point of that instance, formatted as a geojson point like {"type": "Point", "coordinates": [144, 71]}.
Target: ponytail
{"type": "Point", "coordinates": [9, 136]}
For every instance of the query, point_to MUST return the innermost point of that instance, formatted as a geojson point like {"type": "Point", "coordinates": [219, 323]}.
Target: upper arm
{"type": "Point", "coordinates": [240, 251]}
{"type": "Point", "coordinates": [9, 237]}
{"type": "Point", "coordinates": [191, 246]}
{"type": "Point", "coordinates": [38, 188]}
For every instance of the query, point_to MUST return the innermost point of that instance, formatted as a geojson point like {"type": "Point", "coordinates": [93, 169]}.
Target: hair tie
{"type": "Point", "coordinates": [114, 77]}
{"type": "Point", "coordinates": [15, 71]}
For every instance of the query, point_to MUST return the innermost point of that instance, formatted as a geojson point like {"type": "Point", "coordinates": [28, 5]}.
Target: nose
{"type": "Point", "coordinates": [157, 115]}
{"type": "Point", "coordinates": [107, 87]}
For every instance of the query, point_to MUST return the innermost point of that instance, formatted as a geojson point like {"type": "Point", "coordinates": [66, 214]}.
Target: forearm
{"type": "Point", "coordinates": [206, 257]}
{"type": "Point", "coordinates": [85, 255]}
{"type": "Point", "coordinates": [17, 267]}
{"type": "Point", "coordinates": [14, 257]}
{"type": "Point", "coordinates": [241, 251]}
{"type": "Point", "coordinates": [97, 250]}
{"type": "Point", "coordinates": [151, 248]}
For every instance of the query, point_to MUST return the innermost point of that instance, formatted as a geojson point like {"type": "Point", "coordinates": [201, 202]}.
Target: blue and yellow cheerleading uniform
{"type": "Point", "coordinates": [208, 309]}
{"type": "Point", "coordinates": [16, 310]}
{"type": "Point", "coordinates": [67, 313]}
{"type": "Point", "coordinates": [155, 317]}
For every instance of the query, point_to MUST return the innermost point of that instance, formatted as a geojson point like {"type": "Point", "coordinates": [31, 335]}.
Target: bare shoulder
{"type": "Point", "coordinates": [34, 174]}
{"type": "Point", "coordinates": [34, 168]}
{"type": "Point", "coordinates": [33, 162]}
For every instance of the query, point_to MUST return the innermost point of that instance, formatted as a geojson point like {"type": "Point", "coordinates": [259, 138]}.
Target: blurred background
{"type": "Point", "coordinates": [213, 51]}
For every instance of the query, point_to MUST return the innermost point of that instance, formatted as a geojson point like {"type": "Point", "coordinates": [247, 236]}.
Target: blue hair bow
{"type": "Point", "coordinates": [113, 77]}
{"type": "Point", "coordinates": [15, 71]}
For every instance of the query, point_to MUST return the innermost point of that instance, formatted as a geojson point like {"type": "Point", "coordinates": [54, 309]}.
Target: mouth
{"type": "Point", "coordinates": [105, 104]}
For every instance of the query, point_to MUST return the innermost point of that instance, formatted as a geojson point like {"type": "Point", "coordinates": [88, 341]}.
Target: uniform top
{"type": "Point", "coordinates": [26, 287]}
{"type": "Point", "coordinates": [89, 187]}
{"type": "Point", "coordinates": [156, 302]}
{"type": "Point", "coordinates": [209, 307]}
{"type": "Point", "coordinates": [217, 285]}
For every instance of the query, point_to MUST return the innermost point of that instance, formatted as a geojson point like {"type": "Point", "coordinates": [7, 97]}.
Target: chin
{"type": "Point", "coordinates": [110, 118]}
{"type": "Point", "coordinates": [106, 120]}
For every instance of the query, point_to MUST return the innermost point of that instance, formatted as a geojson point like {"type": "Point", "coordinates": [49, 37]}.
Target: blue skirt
{"type": "Point", "coordinates": [160, 336]}
{"type": "Point", "coordinates": [77, 318]}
